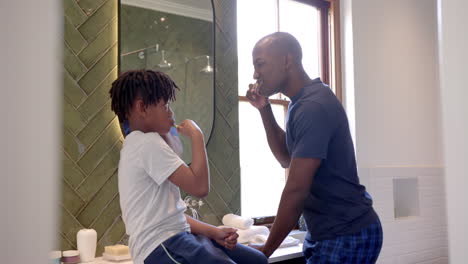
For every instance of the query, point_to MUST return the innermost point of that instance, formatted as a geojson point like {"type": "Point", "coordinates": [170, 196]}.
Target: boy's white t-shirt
{"type": "Point", "coordinates": [152, 208]}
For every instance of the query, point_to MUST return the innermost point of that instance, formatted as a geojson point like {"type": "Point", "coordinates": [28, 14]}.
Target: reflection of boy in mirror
{"type": "Point", "coordinates": [151, 173]}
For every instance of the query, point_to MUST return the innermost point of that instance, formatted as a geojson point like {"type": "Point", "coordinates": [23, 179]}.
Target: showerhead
{"type": "Point", "coordinates": [164, 64]}
{"type": "Point", "coordinates": [207, 69]}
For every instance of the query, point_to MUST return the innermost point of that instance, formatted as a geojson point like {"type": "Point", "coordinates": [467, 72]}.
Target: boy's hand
{"type": "Point", "coordinates": [189, 129]}
{"type": "Point", "coordinates": [226, 237]}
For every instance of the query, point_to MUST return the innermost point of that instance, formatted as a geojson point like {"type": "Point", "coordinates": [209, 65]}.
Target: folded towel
{"type": "Point", "coordinates": [245, 236]}
{"type": "Point", "coordinates": [236, 221]}
{"type": "Point", "coordinates": [287, 242]}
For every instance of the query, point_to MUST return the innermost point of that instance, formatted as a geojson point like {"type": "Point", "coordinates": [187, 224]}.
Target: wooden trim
{"type": "Point", "coordinates": [336, 73]}
{"type": "Point", "coordinates": [284, 103]}
{"type": "Point", "coordinates": [324, 50]}
{"type": "Point", "coordinates": [268, 221]}
{"type": "Point", "coordinates": [317, 3]}
{"type": "Point", "coordinates": [265, 220]}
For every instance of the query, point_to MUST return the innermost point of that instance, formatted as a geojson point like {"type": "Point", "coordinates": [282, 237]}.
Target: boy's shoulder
{"type": "Point", "coordinates": [140, 139]}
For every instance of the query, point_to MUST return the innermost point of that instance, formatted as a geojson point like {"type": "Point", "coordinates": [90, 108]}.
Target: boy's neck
{"type": "Point", "coordinates": [134, 125]}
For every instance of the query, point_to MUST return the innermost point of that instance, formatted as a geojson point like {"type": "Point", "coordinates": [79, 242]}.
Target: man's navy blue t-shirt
{"type": "Point", "coordinates": [317, 127]}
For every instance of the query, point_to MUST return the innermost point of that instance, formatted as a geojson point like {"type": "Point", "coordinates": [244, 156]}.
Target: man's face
{"type": "Point", "coordinates": [269, 70]}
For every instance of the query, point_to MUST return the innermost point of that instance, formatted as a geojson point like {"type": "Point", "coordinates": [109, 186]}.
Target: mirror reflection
{"type": "Point", "coordinates": [175, 37]}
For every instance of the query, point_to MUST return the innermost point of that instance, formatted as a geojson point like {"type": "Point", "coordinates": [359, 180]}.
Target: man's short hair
{"type": "Point", "coordinates": [283, 42]}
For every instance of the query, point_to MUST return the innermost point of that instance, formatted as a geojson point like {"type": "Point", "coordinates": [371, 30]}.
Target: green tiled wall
{"type": "Point", "coordinates": [223, 148]}
{"type": "Point", "coordinates": [92, 139]}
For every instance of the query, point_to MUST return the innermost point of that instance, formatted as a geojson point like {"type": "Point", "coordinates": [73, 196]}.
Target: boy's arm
{"type": "Point", "coordinates": [200, 228]}
{"type": "Point", "coordinates": [193, 179]}
{"type": "Point", "coordinates": [225, 236]}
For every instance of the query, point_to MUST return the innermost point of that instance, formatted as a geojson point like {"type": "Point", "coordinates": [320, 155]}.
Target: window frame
{"type": "Point", "coordinates": [329, 60]}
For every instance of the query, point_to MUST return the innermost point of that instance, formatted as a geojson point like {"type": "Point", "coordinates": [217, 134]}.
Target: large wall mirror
{"type": "Point", "coordinates": [176, 37]}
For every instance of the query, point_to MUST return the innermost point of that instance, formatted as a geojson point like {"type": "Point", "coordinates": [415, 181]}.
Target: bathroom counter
{"type": "Point", "coordinates": [286, 253]}
{"type": "Point", "coordinates": [103, 261]}
{"type": "Point", "coordinates": [280, 254]}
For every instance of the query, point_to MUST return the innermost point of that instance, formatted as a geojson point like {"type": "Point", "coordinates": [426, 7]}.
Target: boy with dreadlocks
{"type": "Point", "coordinates": [151, 173]}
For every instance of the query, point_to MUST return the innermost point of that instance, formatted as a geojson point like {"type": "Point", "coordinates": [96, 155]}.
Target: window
{"type": "Point", "coordinates": [262, 178]}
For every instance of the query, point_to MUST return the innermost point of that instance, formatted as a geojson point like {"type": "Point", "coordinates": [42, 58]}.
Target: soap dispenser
{"type": "Point", "coordinates": [86, 241]}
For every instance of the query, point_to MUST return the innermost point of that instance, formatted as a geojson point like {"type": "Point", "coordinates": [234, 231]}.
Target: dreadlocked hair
{"type": "Point", "coordinates": [150, 86]}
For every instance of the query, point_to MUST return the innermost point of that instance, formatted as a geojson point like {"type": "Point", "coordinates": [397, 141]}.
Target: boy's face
{"type": "Point", "coordinates": [159, 117]}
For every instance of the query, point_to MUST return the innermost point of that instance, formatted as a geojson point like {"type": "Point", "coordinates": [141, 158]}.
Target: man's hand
{"type": "Point", "coordinates": [226, 237]}
{"type": "Point", "coordinates": [260, 247]}
{"type": "Point", "coordinates": [257, 100]}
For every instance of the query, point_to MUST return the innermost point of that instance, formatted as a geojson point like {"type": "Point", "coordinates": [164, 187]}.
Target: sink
{"type": "Point", "coordinates": [298, 234]}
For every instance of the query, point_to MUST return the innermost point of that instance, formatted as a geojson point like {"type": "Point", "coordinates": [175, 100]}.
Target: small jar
{"type": "Point", "coordinates": [71, 257]}
{"type": "Point", "coordinates": [55, 257]}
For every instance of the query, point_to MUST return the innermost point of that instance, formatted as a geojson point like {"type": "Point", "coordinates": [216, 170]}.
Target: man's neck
{"type": "Point", "coordinates": [296, 83]}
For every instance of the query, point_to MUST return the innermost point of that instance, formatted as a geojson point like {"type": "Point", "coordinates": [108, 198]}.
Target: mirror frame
{"type": "Point", "coordinates": [119, 3]}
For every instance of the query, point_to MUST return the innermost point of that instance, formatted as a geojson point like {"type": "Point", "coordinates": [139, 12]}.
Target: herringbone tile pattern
{"type": "Point", "coordinates": [223, 148]}
{"type": "Point", "coordinates": [92, 137]}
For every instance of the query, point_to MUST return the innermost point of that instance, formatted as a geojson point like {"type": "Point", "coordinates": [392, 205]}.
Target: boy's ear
{"type": "Point", "coordinates": [140, 107]}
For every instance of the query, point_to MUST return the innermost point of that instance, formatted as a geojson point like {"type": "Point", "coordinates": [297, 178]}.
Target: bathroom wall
{"type": "Point", "coordinates": [398, 126]}
{"type": "Point", "coordinates": [91, 133]}
{"type": "Point", "coordinates": [31, 130]}
{"type": "Point", "coordinates": [453, 55]}
{"type": "Point", "coordinates": [223, 148]}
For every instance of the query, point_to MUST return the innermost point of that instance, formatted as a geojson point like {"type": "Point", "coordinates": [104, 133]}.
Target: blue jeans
{"type": "Point", "coordinates": [196, 249]}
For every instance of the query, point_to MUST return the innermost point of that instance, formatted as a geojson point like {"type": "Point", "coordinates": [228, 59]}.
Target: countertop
{"type": "Point", "coordinates": [279, 255]}
{"type": "Point", "coordinates": [286, 253]}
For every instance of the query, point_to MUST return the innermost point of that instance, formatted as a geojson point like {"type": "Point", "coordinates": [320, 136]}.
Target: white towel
{"type": "Point", "coordinates": [245, 236]}
{"type": "Point", "coordinates": [236, 221]}
{"type": "Point", "coordinates": [287, 242]}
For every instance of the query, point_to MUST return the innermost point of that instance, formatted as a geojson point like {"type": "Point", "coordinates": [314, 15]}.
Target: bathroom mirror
{"type": "Point", "coordinates": [176, 37]}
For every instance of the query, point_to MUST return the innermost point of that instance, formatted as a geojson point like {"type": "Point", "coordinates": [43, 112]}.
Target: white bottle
{"type": "Point", "coordinates": [86, 241]}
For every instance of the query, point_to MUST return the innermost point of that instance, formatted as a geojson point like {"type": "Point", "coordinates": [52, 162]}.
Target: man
{"type": "Point", "coordinates": [318, 150]}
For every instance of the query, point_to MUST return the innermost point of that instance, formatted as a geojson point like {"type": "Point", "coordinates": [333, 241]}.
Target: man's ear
{"type": "Point", "coordinates": [288, 61]}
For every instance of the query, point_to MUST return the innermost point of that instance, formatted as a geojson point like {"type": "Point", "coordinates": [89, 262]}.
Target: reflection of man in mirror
{"type": "Point", "coordinates": [317, 147]}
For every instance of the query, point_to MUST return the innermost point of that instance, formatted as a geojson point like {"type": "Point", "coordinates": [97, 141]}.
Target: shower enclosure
{"type": "Point", "coordinates": [180, 46]}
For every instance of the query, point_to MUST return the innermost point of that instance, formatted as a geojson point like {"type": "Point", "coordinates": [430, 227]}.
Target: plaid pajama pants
{"type": "Point", "coordinates": [360, 248]}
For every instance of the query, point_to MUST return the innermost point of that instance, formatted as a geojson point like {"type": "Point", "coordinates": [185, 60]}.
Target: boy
{"type": "Point", "coordinates": [150, 174]}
